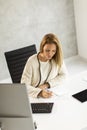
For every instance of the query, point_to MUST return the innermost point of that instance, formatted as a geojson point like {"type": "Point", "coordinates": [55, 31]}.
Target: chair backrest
{"type": "Point", "coordinates": [16, 61]}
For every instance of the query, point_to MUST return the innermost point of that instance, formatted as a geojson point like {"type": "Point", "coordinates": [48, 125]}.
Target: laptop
{"type": "Point", "coordinates": [15, 108]}
{"type": "Point", "coordinates": [81, 96]}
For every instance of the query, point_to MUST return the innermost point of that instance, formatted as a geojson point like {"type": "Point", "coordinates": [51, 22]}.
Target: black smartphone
{"type": "Point", "coordinates": [81, 96]}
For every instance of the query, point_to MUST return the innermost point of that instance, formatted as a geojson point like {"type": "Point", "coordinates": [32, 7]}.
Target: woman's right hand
{"type": "Point", "coordinates": [45, 94]}
{"type": "Point", "coordinates": [44, 86]}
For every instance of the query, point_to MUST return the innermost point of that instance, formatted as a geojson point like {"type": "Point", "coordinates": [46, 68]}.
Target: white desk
{"type": "Point", "coordinates": [68, 113]}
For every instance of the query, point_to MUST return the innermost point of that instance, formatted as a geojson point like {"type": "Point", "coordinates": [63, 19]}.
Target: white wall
{"type": "Point", "coordinates": [25, 22]}
{"type": "Point", "coordinates": [80, 7]}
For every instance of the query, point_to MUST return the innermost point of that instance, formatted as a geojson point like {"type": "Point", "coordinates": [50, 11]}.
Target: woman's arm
{"type": "Point", "coordinates": [60, 78]}
{"type": "Point", "coordinates": [27, 79]}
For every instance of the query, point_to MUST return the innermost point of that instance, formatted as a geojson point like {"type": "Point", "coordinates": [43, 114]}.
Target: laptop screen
{"type": "Point", "coordinates": [15, 108]}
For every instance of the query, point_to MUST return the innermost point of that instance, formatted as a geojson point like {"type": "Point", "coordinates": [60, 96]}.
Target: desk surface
{"type": "Point", "coordinates": [67, 113]}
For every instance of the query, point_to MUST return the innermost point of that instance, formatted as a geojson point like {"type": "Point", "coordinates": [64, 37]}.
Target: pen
{"type": "Point", "coordinates": [55, 94]}
{"type": "Point", "coordinates": [52, 92]}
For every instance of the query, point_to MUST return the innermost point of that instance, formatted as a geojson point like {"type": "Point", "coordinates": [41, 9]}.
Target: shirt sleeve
{"type": "Point", "coordinates": [27, 79]}
{"type": "Point", "coordinates": [61, 77]}
{"type": "Point", "coordinates": [32, 91]}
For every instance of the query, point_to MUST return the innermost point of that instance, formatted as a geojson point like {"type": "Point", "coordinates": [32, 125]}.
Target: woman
{"type": "Point", "coordinates": [45, 69]}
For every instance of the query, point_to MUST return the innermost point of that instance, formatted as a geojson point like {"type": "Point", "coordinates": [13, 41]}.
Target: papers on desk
{"type": "Point", "coordinates": [60, 91]}
{"type": "Point", "coordinates": [84, 128]}
{"type": "Point", "coordinates": [57, 92]}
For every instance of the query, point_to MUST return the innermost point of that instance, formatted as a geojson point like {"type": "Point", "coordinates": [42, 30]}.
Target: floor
{"type": "Point", "coordinates": [75, 65]}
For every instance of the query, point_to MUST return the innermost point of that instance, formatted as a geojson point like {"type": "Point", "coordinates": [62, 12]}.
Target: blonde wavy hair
{"type": "Point", "coordinates": [52, 39]}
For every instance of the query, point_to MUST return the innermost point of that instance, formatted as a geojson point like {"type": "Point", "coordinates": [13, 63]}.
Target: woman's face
{"type": "Point", "coordinates": [49, 51]}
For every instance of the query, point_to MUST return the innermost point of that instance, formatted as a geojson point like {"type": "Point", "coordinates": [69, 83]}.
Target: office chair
{"type": "Point", "coordinates": [16, 61]}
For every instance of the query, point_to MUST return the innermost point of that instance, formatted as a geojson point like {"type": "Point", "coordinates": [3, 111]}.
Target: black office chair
{"type": "Point", "coordinates": [16, 61]}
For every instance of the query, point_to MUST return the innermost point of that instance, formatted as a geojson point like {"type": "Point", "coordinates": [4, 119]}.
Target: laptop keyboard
{"type": "Point", "coordinates": [41, 107]}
